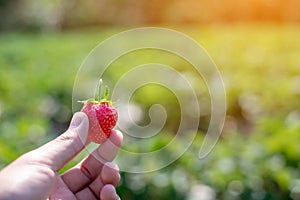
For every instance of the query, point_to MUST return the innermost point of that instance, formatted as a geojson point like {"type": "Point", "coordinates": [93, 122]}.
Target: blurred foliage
{"type": "Point", "coordinates": [258, 154]}
{"type": "Point", "coordinates": [62, 14]}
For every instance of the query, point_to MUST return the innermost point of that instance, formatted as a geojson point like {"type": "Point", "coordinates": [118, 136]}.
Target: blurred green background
{"type": "Point", "coordinates": [255, 44]}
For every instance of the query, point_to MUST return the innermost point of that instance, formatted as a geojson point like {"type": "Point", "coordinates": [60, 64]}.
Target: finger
{"type": "Point", "coordinates": [106, 152]}
{"type": "Point", "coordinates": [108, 192]}
{"type": "Point", "coordinates": [87, 171]}
{"type": "Point", "coordinates": [97, 185]}
{"type": "Point", "coordinates": [61, 191]}
{"type": "Point", "coordinates": [85, 194]}
{"type": "Point", "coordinates": [62, 149]}
{"type": "Point", "coordinates": [75, 179]}
{"type": "Point", "coordinates": [109, 175]}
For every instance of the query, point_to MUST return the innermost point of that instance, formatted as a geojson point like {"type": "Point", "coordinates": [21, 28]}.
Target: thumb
{"type": "Point", "coordinates": [61, 150]}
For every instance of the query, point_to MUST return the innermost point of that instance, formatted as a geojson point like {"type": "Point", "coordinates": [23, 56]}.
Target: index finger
{"type": "Point", "coordinates": [79, 176]}
{"type": "Point", "coordinates": [106, 152]}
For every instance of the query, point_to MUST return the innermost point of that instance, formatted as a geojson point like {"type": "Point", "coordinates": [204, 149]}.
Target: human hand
{"type": "Point", "coordinates": [34, 175]}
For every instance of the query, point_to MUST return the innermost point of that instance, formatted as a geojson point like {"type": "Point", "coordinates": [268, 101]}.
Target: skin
{"type": "Point", "coordinates": [34, 175]}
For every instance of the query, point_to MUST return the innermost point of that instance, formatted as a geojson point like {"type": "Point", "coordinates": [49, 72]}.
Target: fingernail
{"type": "Point", "coordinates": [76, 120]}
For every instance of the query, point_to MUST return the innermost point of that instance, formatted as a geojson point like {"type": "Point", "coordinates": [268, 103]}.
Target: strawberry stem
{"type": "Point", "coordinates": [99, 90]}
{"type": "Point", "coordinates": [98, 98]}
{"type": "Point", "coordinates": [106, 93]}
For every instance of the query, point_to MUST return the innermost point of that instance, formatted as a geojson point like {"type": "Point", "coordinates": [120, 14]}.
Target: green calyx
{"type": "Point", "coordinates": [99, 98]}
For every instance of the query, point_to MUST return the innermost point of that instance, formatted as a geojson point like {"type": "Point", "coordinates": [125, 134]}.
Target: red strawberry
{"type": "Point", "coordinates": [102, 117]}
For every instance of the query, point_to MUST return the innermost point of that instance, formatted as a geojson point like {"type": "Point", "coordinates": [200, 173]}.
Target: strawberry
{"type": "Point", "coordinates": [102, 116]}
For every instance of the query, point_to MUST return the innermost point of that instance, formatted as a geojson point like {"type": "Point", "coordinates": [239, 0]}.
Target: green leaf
{"type": "Point", "coordinates": [106, 93]}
